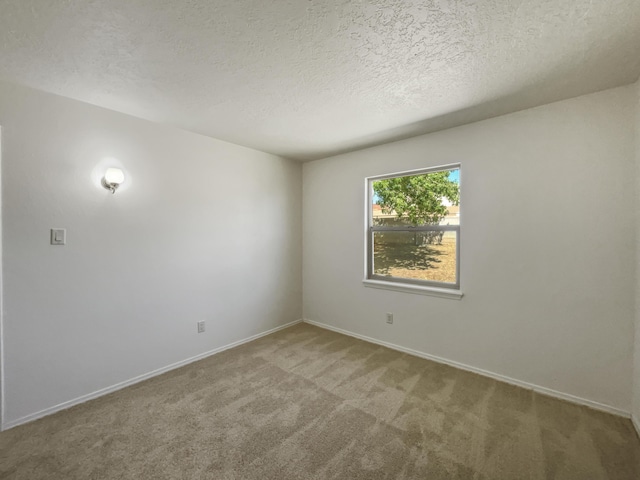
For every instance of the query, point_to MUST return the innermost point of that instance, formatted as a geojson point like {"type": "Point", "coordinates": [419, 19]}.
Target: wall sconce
{"type": "Point", "coordinates": [113, 177]}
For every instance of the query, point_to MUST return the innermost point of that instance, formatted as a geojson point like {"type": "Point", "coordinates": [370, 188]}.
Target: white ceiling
{"type": "Point", "coordinates": [307, 79]}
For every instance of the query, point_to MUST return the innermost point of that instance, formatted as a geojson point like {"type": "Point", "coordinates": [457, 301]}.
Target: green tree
{"type": "Point", "coordinates": [417, 198]}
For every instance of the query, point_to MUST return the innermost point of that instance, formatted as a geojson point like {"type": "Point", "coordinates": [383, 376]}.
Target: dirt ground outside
{"type": "Point", "coordinates": [435, 262]}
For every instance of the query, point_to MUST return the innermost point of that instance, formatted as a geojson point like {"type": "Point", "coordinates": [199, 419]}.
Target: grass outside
{"type": "Point", "coordinates": [435, 262]}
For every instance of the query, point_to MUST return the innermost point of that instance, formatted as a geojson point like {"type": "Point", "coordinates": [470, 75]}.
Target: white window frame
{"type": "Point", "coordinates": [425, 287]}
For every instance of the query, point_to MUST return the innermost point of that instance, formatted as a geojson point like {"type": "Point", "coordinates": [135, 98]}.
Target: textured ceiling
{"type": "Point", "coordinates": [307, 79]}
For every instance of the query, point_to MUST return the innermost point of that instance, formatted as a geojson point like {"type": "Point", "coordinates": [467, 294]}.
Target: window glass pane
{"type": "Point", "coordinates": [426, 199]}
{"type": "Point", "coordinates": [415, 255]}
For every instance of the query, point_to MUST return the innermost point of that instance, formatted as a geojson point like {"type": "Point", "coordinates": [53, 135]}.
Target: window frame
{"type": "Point", "coordinates": [399, 283]}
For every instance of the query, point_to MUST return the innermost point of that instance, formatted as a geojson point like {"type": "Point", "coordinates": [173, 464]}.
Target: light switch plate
{"type": "Point", "coordinates": [58, 236]}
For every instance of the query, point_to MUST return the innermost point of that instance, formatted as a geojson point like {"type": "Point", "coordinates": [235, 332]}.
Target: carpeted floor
{"type": "Point", "coordinates": [306, 403]}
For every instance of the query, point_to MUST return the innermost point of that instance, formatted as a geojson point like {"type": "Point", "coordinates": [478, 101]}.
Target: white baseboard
{"type": "Point", "coordinates": [139, 378]}
{"type": "Point", "coordinates": [496, 376]}
{"type": "Point", "coordinates": [636, 423]}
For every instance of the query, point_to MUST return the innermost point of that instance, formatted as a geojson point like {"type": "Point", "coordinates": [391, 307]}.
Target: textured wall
{"type": "Point", "coordinates": [200, 230]}
{"type": "Point", "coordinates": [548, 295]}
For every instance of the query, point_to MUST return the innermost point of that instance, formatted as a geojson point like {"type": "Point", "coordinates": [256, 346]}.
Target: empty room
{"type": "Point", "coordinates": [340, 239]}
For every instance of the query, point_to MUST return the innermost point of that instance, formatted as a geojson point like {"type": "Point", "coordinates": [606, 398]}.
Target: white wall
{"type": "Point", "coordinates": [549, 295]}
{"type": "Point", "coordinates": [636, 368]}
{"type": "Point", "coordinates": [201, 230]}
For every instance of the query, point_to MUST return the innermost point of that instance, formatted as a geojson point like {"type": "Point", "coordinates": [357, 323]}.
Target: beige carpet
{"type": "Point", "coordinates": [306, 403]}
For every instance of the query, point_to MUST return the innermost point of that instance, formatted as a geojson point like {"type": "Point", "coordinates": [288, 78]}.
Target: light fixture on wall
{"type": "Point", "coordinates": [113, 177]}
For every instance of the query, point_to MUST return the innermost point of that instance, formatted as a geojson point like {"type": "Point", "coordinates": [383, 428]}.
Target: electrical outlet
{"type": "Point", "coordinates": [58, 236]}
{"type": "Point", "coordinates": [201, 326]}
{"type": "Point", "coordinates": [389, 318]}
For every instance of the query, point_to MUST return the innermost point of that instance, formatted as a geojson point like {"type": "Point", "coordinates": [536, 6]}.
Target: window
{"type": "Point", "coordinates": [413, 229]}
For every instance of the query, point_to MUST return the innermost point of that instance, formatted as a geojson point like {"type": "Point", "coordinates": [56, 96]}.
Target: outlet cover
{"type": "Point", "coordinates": [389, 318]}
{"type": "Point", "coordinates": [58, 236]}
{"type": "Point", "coordinates": [201, 327]}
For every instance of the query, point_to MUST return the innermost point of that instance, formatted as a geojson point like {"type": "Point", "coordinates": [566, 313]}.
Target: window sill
{"type": "Point", "coordinates": [416, 289]}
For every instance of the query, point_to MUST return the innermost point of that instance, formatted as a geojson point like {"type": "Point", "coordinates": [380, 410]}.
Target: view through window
{"type": "Point", "coordinates": [414, 227]}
